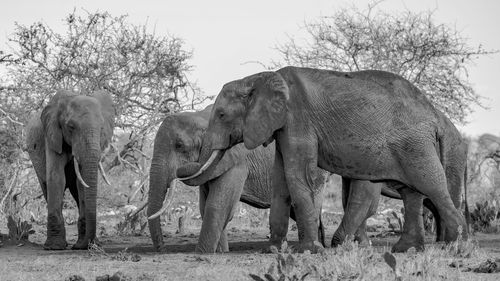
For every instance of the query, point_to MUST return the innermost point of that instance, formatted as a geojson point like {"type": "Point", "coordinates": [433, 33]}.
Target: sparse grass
{"type": "Point", "coordinates": [351, 262]}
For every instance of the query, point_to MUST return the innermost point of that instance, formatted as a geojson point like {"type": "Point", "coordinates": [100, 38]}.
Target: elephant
{"type": "Point", "coordinates": [65, 142]}
{"type": "Point", "coordinates": [241, 175]}
{"type": "Point", "coordinates": [365, 126]}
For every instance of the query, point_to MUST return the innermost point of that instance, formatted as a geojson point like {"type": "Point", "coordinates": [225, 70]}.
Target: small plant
{"type": "Point", "coordinates": [19, 231]}
{"type": "Point", "coordinates": [123, 255]}
{"type": "Point", "coordinates": [118, 276]}
{"type": "Point", "coordinates": [95, 250]}
{"type": "Point", "coordinates": [391, 262]}
{"type": "Point", "coordinates": [135, 224]}
{"type": "Point", "coordinates": [483, 216]}
{"type": "Point", "coordinates": [286, 267]}
{"type": "Point", "coordinates": [398, 219]}
{"type": "Point", "coordinates": [461, 248]}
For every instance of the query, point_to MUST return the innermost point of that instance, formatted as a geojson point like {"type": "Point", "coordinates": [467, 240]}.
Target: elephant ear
{"type": "Point", "coordinates": [108, 113]}
{"type": "Point", "coordinates": [50, 120]}
{"type": "Point", "coordinates": [266, 107]}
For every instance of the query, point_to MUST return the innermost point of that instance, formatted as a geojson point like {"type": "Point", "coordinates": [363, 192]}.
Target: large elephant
{"type": "Point", "coordinates": [346, 123]}
{"type": "Point", "coordinates": [241, 175]}
{"type": "Point", "coordinates": [65, 143]}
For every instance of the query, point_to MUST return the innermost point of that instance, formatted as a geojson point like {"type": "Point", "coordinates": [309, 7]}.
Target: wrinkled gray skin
{"type": "Point", "coordinates": [360, 199]}
{"type": "Point", "coordinates": [70, 126]}
{"type": "Point", "coordinates": [241, 175]}
{"type": "Point", "coordinates": [350, 124]}
{"type": "Point", "coordinates": [364, 199]}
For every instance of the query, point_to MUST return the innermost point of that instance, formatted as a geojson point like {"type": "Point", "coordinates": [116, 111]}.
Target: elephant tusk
{"type": "Point", "coordinates": [134, 213]}
{"type": "Point", "coordinates": [168, 200]}
{"type": "Point", "coordinates": [205, 166]}
{"type": "Point", "coordinates": [103, 174]}
{"type": "Point", "coordinates": [78, 175]}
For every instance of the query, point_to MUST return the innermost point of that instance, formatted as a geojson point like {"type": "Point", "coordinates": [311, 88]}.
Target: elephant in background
{"type": "Point", "coordinates": [365, 126]}
{"type": "Point", "coordinates": [65, 142]}
{"type": "Point", "coordinates": [241, 175]}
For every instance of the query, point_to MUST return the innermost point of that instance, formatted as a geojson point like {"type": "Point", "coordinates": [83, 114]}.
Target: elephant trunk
{"type": "Point", "coordinates": [89, 161]}
{"type": "Point", "coordinates": [193, 172]}
{"type": "Point", "coordinates": [159, 181]}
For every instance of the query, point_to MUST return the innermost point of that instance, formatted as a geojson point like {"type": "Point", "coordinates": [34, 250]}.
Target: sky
{"type": "Point", "coordinates": [227, 37]}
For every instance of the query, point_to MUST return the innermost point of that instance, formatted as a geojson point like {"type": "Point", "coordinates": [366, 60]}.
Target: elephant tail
{"type": "Point", "coordinates": [467, 213]}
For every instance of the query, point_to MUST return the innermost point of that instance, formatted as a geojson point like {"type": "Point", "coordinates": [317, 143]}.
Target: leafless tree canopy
{"type": "Point", "coordinates": [145, 72]}
{"type": "Point", "coordinates": [433, 56]}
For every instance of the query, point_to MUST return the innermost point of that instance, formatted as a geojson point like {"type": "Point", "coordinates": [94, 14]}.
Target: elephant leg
{"type": "Point", "coordinates": [56, 233]}
{"type": "Point", "coordinates": [223, 246]}
{"type": "Point", "coordinates": [304, 184]}
{"type": "Point", "coordinates": [82, 243]}
{"type": "Point", "coordinates": [361, 202]}
{"type": "Point", "coordinates": [224, 193]}
{"type": "Point", "coordinates": [71, 184]}
{"type": "Point", "coordinates": [280, 210]}
{"type": "Point", "coordinates": [321, 227]}
{"type": "Point", "coordinates": [413, 229]}
{"type": "Point", "coordinates": [428, 177]}
{"type": "Point", "coordinates": [360, 234]}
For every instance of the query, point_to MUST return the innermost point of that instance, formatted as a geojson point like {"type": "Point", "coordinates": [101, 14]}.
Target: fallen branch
{"type": "Point", "coordinates": [10, 119]}
{"type": "Point", "coordinates": [11, 185]}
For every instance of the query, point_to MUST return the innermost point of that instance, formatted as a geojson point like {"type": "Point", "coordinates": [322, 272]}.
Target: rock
{"type": "Point", "coordinates": [135, 258]}
{"type": "Point", "coordinates": [75, 278]}
{"type": "Point", "coordinates": [119, 276]}
{"type": "Point", "coordinates": [102, 278]}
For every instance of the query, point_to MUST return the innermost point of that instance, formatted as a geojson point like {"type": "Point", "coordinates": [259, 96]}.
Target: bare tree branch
{"type": "Point", "coordinates": [435, 57]}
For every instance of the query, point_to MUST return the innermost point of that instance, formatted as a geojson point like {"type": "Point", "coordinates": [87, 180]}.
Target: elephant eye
{"type": "Point", "coordinates": [71, 126]}
{"type": "Point", "coordinates": [179, 145]}
{"type": "Point", "coordinates": [221, 114]}
{"type": "Point", "coordinates": [250, 94]}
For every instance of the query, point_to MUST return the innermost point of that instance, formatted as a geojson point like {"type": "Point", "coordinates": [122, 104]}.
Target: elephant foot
{"type": "Point", "coordinates": [221, 249]}
{"type": "Point", "coordinates": [160, 248]}
{"type": "Point", "coordinates": [363, 240]}
{"type": "Point", "coordinates": [314, 247]}
{"type": "Point", "coordinates": [83, 244]}
{"type": "Point", "coordinates": [55, 243]}
{"type": "Point", "coordinates": [404, 244]}
{"type": "Point", "coordinates": [338, 240]}
{"type": "Point", "coordinates": [456, 232]}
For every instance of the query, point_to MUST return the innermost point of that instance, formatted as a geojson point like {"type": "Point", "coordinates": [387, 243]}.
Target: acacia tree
{"type": "Point", "coordinates": [432, 56]}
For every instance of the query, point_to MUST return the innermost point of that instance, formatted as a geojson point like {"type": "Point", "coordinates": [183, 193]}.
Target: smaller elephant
{"type": "Point", "coordinates": [65, 142]}
{"type": "Point", "coordinates": [242, 175]}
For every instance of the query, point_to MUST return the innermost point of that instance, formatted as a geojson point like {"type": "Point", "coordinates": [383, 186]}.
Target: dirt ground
{"type": "Point", "coordinates": [134, 257]}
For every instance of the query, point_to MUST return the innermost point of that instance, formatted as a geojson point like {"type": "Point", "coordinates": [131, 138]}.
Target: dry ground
{"type": "Point", "coordinates": [31, 262]}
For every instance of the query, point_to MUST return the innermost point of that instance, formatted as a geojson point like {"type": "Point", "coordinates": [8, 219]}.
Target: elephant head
{"type": "Point", "coordinates": [80, 126]}
{"type": "Point", "coordinates": [249, 110]}
{"type": "Point", "coordinates": [177, 142]}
